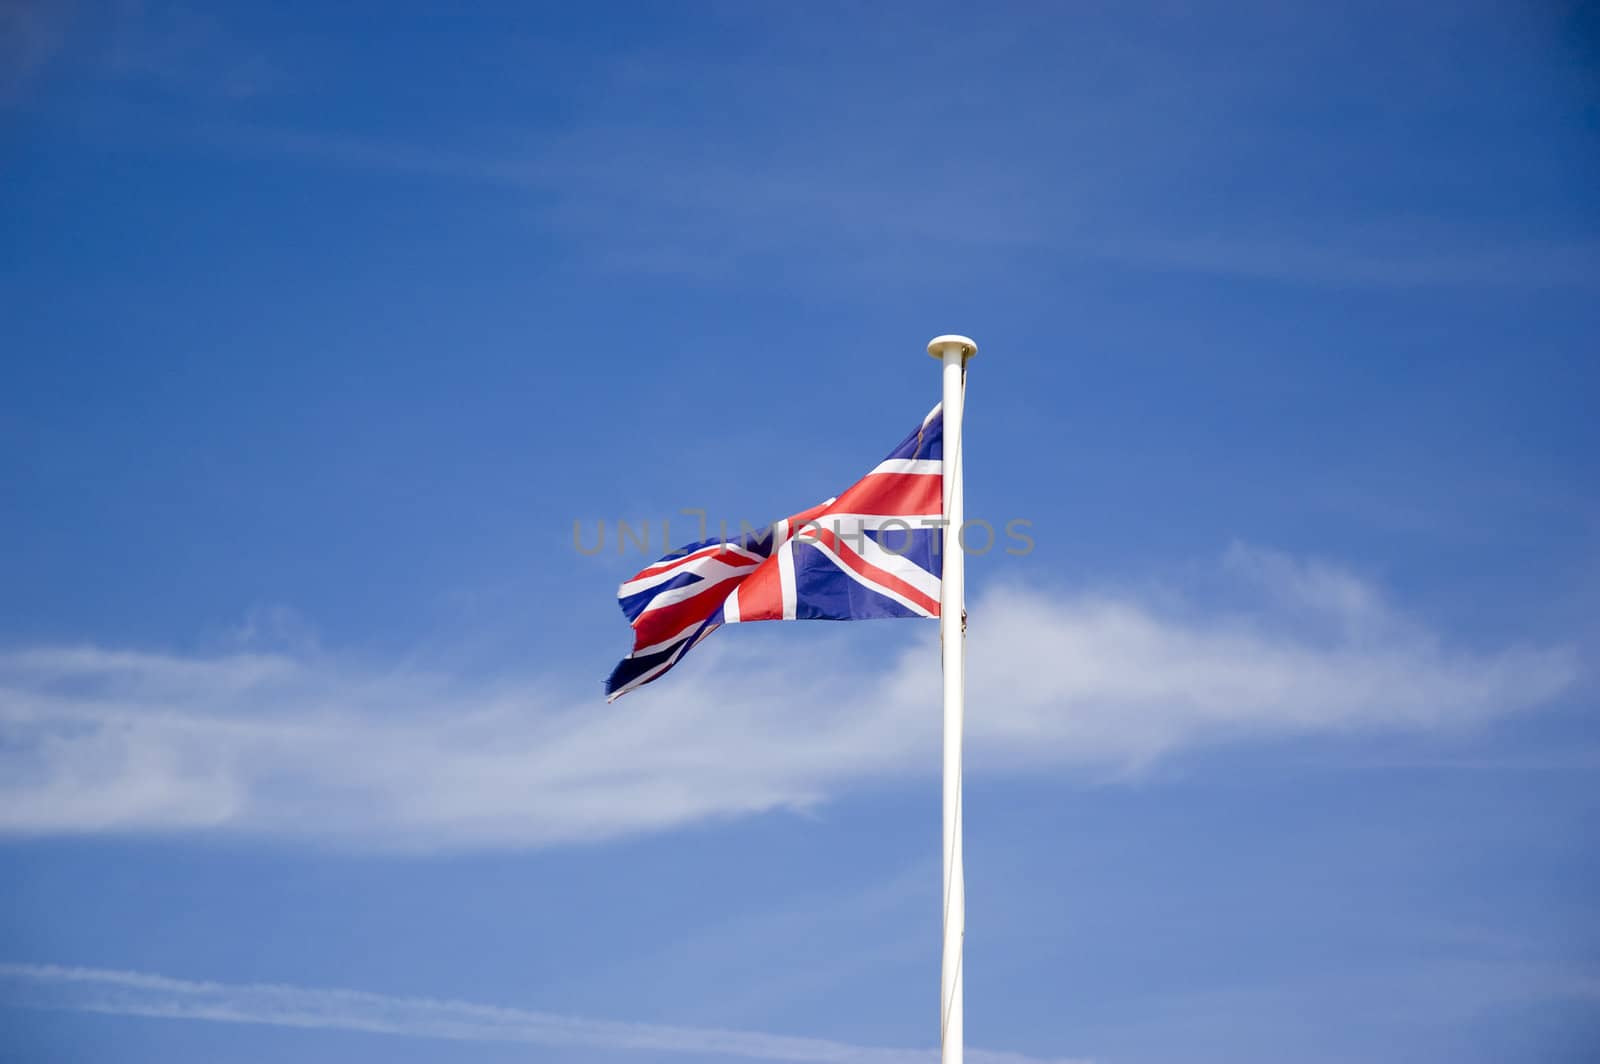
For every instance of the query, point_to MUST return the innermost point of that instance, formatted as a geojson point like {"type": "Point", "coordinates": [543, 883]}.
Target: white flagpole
{"type": "Point", "coordinates": [953, 351]}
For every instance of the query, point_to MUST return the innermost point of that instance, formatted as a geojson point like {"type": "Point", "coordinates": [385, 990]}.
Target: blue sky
{"type": "Point", "coordinates": [324, 325]}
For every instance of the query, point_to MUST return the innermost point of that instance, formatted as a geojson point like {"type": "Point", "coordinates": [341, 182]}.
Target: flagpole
{"type": "Point", "coordinates": [953, 352]}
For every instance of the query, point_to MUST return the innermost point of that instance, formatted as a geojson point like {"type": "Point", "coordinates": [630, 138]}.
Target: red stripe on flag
{"type": "Point", "coordinates": [893, 494]}
{"type": "Point", "coordinates": [654, 625]}
{"type": "Point", "coordinates": [875, 574]}
{"type": "Point", "coordinates": [761, 593]}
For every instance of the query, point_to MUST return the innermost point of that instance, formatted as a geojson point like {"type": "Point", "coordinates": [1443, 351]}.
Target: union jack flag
{"type": "Point", "coordinates": [873, 551]}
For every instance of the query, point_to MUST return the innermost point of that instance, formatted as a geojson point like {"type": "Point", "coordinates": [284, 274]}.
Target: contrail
{"type": "Point", "coordinates": [125, 993]}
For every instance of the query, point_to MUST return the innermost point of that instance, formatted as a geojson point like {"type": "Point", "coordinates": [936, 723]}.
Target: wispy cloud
{"type": "Point", "coordinates": [122, 993]}
{"type": "Point", "coordinates": [319, 747]}
{"type": "Point", "coordinates": [184, 49]}
{"type": "Point", "coordinates": [634, 202]}
{"type": "Point", "coordinates": [1145, 151]}
{"type": "Point", "coordinates": [30, 36]}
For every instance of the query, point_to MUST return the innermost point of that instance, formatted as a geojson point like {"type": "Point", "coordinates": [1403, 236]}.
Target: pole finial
{"type": "Point", "coordinates": [952, 342]}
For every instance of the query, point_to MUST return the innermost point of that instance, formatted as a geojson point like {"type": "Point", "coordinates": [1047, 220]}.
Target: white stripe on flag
{"type": "Point", "coordinates": [688, 564]}
{"type": "Point", "coordinates": [929, 466]}
{"type": "Point", "coordinates": [712, 572]}
{"type": "Point", "coordinates": [786, 578]}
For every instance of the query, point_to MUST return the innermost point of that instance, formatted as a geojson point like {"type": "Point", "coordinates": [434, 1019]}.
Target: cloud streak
{"type": "Point", "coordinates": [632, 202]}
{"type": "Point", "coordinates": [314, 747]}
{"type": "Point", "coordinates": [124, 993]}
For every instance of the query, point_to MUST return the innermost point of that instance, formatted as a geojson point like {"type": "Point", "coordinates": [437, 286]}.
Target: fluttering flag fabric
{"type": "Point", "coordinates": [874, 551]}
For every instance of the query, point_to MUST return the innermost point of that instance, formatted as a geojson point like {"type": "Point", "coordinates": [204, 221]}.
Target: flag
{"type": "Point", "coordinates": [873, 551]}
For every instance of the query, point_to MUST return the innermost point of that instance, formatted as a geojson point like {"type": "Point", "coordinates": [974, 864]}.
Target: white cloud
{"type": "Point", "coordinates": [310, 746]}
{"type": "Point", "coordinates": [123, 993]}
